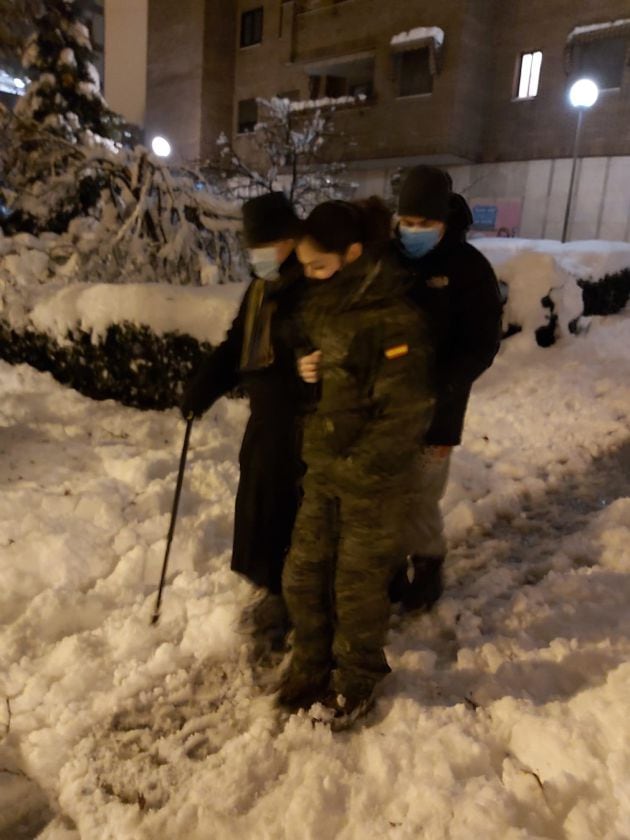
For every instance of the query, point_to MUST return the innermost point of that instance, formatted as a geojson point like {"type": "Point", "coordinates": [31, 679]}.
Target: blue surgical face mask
{"type": "Point", "coordinates": [264, 262]}
{"type": "Point", "coordinates": [417, 242]}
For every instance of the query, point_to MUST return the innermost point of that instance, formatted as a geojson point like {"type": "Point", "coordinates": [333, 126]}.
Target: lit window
{"type": "Point", "coordinates": [529, 77]}
{"type": "Point", "coordinates": [252, 27]}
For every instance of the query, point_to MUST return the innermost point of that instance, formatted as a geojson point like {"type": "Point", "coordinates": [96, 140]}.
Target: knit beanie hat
{"type": "Point", "coordinates": [269, 218]}
{"type": "Point", "coordinates": [425, 192]}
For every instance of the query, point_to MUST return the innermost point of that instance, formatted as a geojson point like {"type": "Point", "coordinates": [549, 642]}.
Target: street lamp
{"type": "Point", "coordinates": [582, 95]}
{"type": "Point", "coordinates": [161, 147]}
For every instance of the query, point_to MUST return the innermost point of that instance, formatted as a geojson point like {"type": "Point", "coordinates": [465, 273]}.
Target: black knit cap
{"type": "Point", "coordinates": [269, 218]}
{"type": "Point", "coordinates": [425, 192]}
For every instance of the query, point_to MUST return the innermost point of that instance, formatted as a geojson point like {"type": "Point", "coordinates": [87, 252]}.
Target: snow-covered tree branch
{"type": "Point", "coordinates": [291, 146]}
{"type": "Point", "coordinates": [118, 214]}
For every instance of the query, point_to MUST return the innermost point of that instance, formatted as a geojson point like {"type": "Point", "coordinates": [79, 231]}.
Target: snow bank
{"type": "Point", "coordinates": [505, 716]}
{"type": "Point", "coordinates": [586, 259]}
{"type": "Point", "coordinates": [538, 269]}
{"type": "Point", "coordinates": [204, 313]}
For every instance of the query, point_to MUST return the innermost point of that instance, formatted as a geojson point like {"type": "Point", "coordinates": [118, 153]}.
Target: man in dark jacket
{"type": "Point", "coordinates": [256, 357]}
{"type": "Point", "coordinates": [456, 287]}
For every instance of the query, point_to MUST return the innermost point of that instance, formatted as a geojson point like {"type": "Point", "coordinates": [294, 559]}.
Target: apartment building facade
{"type": "Point", "coordinates": [477, 86]}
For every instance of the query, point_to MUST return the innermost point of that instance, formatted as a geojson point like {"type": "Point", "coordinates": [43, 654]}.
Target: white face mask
{"type": "Point", "coordinates": [264, 262]}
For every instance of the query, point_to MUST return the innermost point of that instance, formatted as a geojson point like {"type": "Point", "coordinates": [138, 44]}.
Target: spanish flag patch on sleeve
{"type": "Point", "coordinates": [397, 351]}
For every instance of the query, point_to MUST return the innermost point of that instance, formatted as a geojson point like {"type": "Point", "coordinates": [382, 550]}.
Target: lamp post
{"type": "Point", "coordinates": [582, 95]}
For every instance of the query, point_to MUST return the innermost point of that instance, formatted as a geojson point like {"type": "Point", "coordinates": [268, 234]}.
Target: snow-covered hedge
{"type": "Point", "coordinates": [137, 343]}
{"type": "Point", "coordinates": [553, 287]}
{"type": "Point", "coordinates": [608, 296]}
{"type": "Point", "coordinates": [133, 343]}
{"type": "Point", "coordinates": [130, 364]}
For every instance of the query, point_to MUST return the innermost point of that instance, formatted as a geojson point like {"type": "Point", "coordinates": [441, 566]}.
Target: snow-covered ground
{"type": "Point", "coordinates": [505, 716]}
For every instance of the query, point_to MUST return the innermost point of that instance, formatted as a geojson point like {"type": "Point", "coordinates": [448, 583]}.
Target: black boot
{"type": "Point", "coordinates": [419, 584]}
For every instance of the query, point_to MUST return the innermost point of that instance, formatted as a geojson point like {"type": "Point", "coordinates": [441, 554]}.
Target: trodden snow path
{"type": "Point", "coordinates": [506, 713]}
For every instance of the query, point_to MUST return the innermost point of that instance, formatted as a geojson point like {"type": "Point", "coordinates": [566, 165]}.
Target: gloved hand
{"type": "Point", "coordinates": [192, 402]}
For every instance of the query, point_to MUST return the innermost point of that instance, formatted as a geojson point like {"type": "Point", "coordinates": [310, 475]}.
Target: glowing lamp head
{"type": "Point", "coordinates": [584, 93]}
{"type": "Point", "coordinates": [161, 147]}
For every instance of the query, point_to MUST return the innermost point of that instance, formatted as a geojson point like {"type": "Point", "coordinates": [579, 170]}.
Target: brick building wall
{"type": "Point", "coordinates": [544, 127]}
{"type": "Point", "coordinates": [298, 44]}
{"type": "Point", "coordinates": [496, 145]}
{"type": "Point", "coordinates": [199, 72]}
{"type": "Point", "coordinates": [174, 71]}
{"type": "Point", "coordinates": [218, 73]}
{"type": "Point", "coordinates": [190, 73]}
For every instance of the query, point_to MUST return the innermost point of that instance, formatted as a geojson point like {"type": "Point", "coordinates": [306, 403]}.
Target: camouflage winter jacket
{"type": "Point", "coordinates": [375, 399]}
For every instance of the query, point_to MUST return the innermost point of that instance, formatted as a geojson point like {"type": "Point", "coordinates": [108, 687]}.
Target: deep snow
{"type": "Point", "coordinates": [505, 716]}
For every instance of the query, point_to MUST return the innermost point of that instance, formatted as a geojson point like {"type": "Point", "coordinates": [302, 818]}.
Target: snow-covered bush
{"type": "Point", "coordinates": [66, 168]}
{"type": "Point", "coordinates": [130, 364]}
{"type": "Point", "coordinates": [136, 344]}
{"type": "Point", "coordinates": [552, 287]}
{"type": "Point", "coordinates": [608, 295]}
{"type": "Point", "coordinates": [123, 216]}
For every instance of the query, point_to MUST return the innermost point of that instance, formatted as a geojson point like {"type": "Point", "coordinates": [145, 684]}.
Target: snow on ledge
{"type": "Point", "coordinates": [419, 33]}
{"type": "Point", "coordinates": [326, 102]}
{"type": "Point", "coordinates": [597, 27]}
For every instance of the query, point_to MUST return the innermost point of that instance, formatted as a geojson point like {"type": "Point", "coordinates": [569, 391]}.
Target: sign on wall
{"type": "Point", "coordinates": [496, 217]}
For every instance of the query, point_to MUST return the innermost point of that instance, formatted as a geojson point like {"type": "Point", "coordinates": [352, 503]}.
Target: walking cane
{"type": "Point", "coordinates": [171, 530]}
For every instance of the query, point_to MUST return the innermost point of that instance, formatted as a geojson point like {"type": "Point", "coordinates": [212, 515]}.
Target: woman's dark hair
{"type": "Point", "coordinates": [335, 225]}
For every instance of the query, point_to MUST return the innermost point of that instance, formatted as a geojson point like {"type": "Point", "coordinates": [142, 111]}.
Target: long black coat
{"type": "Point", "coordinates": [456, 287]}
{"type": "Point", "coordinates": [267, 497]}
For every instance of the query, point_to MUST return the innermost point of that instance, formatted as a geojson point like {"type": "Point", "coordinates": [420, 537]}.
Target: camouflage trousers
{"type": "Point", "coordinates": [344, 552]}
{"type": "Point", "coordinates": [423, 532]}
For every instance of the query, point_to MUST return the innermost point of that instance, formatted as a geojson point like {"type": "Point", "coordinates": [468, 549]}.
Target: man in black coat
{"type": "Point", "coordinates": [256, 357]}
{"type": "Point", "coordinates": [457, 288]}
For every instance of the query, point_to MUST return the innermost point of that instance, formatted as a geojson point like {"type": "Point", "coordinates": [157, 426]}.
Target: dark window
{"type": "Point", "coordinates": [344, 78]}
{"type": "Point", "coordinates": [251, 27]}
{"type": "Point", "coordinates": [247, 115]}
{"type": "Point", "coordinates": [602, 61]}
{"type": "Point", "coordinates": [313, 86]}
{"type": "Point", "coordinates": [414, 73]}
{"type": "Point", "coordinates": [335, 86]}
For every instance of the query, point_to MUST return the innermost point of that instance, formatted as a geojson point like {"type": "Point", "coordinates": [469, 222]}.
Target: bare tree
{"type": "Point", "coordinates": [292, 150]}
